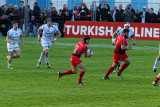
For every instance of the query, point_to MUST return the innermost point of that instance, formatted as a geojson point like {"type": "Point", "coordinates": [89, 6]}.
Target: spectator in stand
{"type": "Point", "coordinates": [152, 16]}
{"type": "Point", "coordinates": [67, 13]}
{"type": "Point", "coordinates": [21, 11]}
{"type": "Point", "coordinates": [144, 15]}
{"type": "Point", "coordinates": [114, 13]}
{"type": "Point", "coordinates": [36, 11]}
{"type": "Point", "coordinates": [15, 14]}
{"type": "Point", "coordinates": [137, 16]}
{"type": "Point", "coordinates": [45, 13]}
{"type": "Point", "coordinates": [104, 11]}
{"type": "Point", "coordinates": [10, 9]}
{"type": "Point", "coordinates": [111, 17]}
{"type": "Point", "coordinates": [74, 12]}
{"type": "Point", "coordinates": [50, 9]}
{"type": "Point", "coordinates": [131, 9]}
{"type": "Point", "coordinates": [84, 13]}
{"type": "Point", "coordinates": [61, 21]}
{"type": "Point", "coordinates": [97, 14]}
{"type": "Point", "coordinates": [119, 13]}
{"type": "Point", "coordinates": [53, 14]}
{"type": "Point", "coordinates": [33, 25]}
{"type": "Point", "coordinates": [158, 16]}
{"type": "Point", "coordinates": [1, 11]}
{"type": "Point", "coordinates": [4, 25]}
{"type": "Point", "coordinates": [127, 15]}
{"type": "Point", "coordinates": [5, 8]}
{"type": "Point", "coordinates": [41, 20]}
{"type": "Point", "coordinates": [148, 10]}
{"type": "Point", "coordinates": [64, 6]}
{"type": "Point", "coordinates": [30, 12]}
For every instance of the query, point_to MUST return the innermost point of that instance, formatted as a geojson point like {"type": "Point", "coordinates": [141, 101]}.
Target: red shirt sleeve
{"type": "Point", "coordinates": [85, 50]}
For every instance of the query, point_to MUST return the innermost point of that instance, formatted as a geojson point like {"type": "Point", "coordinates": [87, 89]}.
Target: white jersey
{"type": "Point", "coordinates": [14, 35]}
{"type": "Point", "coordinates": [48, 32]}
{"type": "Point", "coordinates": [119, 32]}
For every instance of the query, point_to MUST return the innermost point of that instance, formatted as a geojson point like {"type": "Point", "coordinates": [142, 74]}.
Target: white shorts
{"type": "Point", "coordinates": [12, 47]}
{"type": "Point", "coordinates": [46, 44]}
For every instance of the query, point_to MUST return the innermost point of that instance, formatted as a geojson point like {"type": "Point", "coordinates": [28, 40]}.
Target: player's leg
{"type": "Point", "coordinates": [156, 63]}
{"type": "Point", "coordinates": [110, 70]}
{"type": "Point", "coordinates": [40, 59]}
{"type": "Point", "coordinates": [17, 53]}
{"type": "Point", "coordinates": [10, 59]}
{"type": "Point", "coordinates": [83, 69]}
{"type": "Point", "coordinates": [125, 65]}
{"type": "Point", "coordinates": [73, 71]}
{"type": "Point", "coordinates": [155, 83]}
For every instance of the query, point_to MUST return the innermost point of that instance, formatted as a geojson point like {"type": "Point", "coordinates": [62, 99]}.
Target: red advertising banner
{"type": "Point", "coordinates": [142, 31]}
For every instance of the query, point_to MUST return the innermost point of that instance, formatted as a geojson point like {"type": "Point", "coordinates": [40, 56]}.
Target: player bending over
{"type": "Point", "coordinates": [119, 54]}
{"type": "Point", "coordinates": [12, 38]}
{"type": "Point", "coordinates": [156, 63]}
{"type": "Point", "coordinates": [80, 48]}
{"type": "Point", "coordinates": [49, 31]}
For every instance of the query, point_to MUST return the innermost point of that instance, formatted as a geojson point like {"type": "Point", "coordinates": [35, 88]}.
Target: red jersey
{"type": "Point", "coordinates": [80, 48]}
{"type": "Point", "coordinates": [120, 40]}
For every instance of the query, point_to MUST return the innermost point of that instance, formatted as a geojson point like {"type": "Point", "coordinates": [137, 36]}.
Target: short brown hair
{"type": "Point", "coordinates": [15, 22]}
{"type": "Point", "coordinates": [125, 31]}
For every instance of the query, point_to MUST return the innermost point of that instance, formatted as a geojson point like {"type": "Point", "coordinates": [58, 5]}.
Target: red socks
{"type": "Point", "coordinates": [67, 72]}
{"type": "Point", "coordinates": [81, 76]}
{"type": "Point", "coordinates": [156, 80]}
{"type": "Point", "coordinates": [109, 71]}
{"type": "Point", "coordinates": [124, 66]}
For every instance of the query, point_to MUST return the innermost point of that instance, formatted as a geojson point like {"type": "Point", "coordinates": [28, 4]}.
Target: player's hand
{"type": "Point", "coordinates": [12, 43]}
{"type": "Point", "coordinates": [130, 47]}
{"type": "Point", "coordinates": [39, 39]}
{"type": "Point", "coordinates": [52, 40]}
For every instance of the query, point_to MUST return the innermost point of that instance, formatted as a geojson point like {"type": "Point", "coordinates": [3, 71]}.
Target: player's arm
{"type": "Point", "coordinates": [85, 53]}
{"type": "Point", "coordinates": [22, 41]}
{"type": "Point", "coordinates": [134, 39]}
{"type": "Point", "coordinates": [58, 36]}
{"type": "Point", "coordinates": [123, 47]}
{"type": "Point", "coordinates": [38, 33]}
{"type": "Point", "coordinates": [113, 38]}
{"type": "Point", "coordinates": [8, 39]}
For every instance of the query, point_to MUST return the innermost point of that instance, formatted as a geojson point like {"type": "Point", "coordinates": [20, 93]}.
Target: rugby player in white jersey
{"type": "Point", "coordinates": [12, 38]}
{"type": "Point", "coordinates": [49, 31]}
{"type": "Point", "coordinates": [119, 32]}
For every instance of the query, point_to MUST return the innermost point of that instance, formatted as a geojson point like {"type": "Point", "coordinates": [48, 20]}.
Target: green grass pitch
{"type": "Point", "coordinates": [27, 85]}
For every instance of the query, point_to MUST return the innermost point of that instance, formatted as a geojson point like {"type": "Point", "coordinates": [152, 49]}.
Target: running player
{"type": "Point", "coordinates": [155, 83]}
{"type": "Point", "coordinates": [80, 48]}
{"type": "Point", "coordinates": [119, 54]}
{"type": "Point", "coordinates": [12, 38]}
{"type": "Point", "coordinates": [156, 63]}
{"type": "Point", "coordinates": [49, 31]}
{"type": "Point", "coordinates": [119, 32]}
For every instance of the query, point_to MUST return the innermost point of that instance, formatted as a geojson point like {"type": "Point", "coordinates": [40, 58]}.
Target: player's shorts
{"type": "Point", "coordinates": [46, 44]}
{"type": "Point", "coordinates": [119, 57]}
{"type": "Point", "coordinates": [12, 47]}
{"type": "Point", "coordinates": [75, 60]}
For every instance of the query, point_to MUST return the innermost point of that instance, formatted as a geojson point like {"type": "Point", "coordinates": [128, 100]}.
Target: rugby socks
{"type": "Point", "coordinates": [156, 80]}
{"type": "Point", "coordinates": [124, 66]}
{"type": "Point", "coordinates": [41, 57]}
{"type": "Point", "coordinates": [81, 76]}
{"type": "Point", "coordinates": [9, 65]}
{"type": "Point", "coordinates": [46, 59]}
{"type": "Point", "coordinates": [156, 63]}
{"type": "Point", "coordinates": [109, 71]}
{"type": "Point", "coordinates": [67, 72]}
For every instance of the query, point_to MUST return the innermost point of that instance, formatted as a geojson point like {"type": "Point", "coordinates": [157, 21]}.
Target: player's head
{"type": "Point", "coordinates": [127, 25]}
{"type": "Point", "coordinates": [15, 24]}
{"type": "Point", "coordinates": [49, 21]}
{"type": "Point", "coordinates": [86, 39]}
{"type": "Point", "coordinates": [125, 33]}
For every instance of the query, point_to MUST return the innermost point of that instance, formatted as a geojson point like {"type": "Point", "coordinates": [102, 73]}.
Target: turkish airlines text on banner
{"type": "Point", "coordinates": [79, 29]}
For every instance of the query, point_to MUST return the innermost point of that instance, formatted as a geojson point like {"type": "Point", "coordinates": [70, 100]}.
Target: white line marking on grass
{"type": "Point", "coordinates": [98, 45]}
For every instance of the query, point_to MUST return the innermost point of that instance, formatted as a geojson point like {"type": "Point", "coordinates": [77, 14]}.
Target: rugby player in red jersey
{"type": "Point", "coordinates": [80, 48]}
{"type": "Point", "coordinates": [119, 54]}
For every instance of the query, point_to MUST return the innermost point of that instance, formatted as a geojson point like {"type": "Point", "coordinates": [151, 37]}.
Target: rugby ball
{"type": "Point", "coordinates": [89, 52]}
